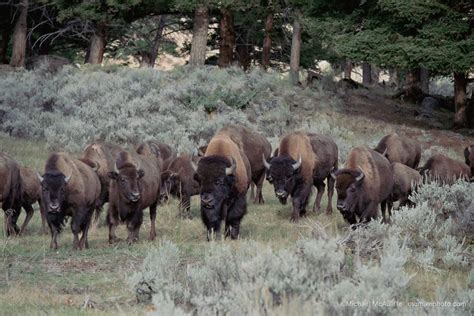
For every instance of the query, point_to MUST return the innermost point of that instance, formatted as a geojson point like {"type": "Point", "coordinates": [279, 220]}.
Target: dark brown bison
{"type": "Point", "coordinates": [165, 153]}
{"type": "Point", "coordinates": [303, 160]}
{"type": "Point", "coordinates": [223, 175]}
{"type": "Point", "coordinates": [254, 145]}
{"type": "Point", "coordinates": [103, 156]}
{"type": "Point", "coordinates": [444, 169]}
{"type": "Point", "coordinates": [400, 149]}
{"type": "Point", "coordinates": [178, 181]}
{"type": "Point", "coordinates": [69, 188]}
{"type": "Point", "coordinates": [469, 158]}
{"type": "Point", "coordinates": [30, 194]}
{"type": "Point", "coordinates": [135, 186]}
{"type": "Point", "coordinates": [405, 180]}
{"type": "Point", "coordinates": [10, 192]}
{"type": "Point", "coordinates": [365, 182]}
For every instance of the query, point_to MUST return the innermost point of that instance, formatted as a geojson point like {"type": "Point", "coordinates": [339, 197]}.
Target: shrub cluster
{"type": "Point", "coordinates": [322, 274]}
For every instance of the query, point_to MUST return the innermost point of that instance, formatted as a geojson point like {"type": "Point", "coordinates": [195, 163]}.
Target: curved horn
{"type": "Point", "coordinates": [137, 165]}
{"type": "Point", "coordinates": [115, 168]}
{"type": "Point", "coordinates": [385, 152]}
{"type": "Point", "coordinates": [332, 173]}
{"type": "Point", "coordinates": [361, 174]}
{"type": "Point", "coordinates": [230, 170]}
{"type": "Point", "coordinates": [68, 177]}
{"type": "Point", "coordinates": [39, 177]}
{"type": "Point", "coordinates": [195, 167]}
{"type": "Point", "coordinates": [265, 162]}
{"type": "Point", "coordinates": [297, 164]}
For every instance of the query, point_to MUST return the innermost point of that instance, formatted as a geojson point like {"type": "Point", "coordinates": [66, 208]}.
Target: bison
{"type": "Point", "coordinates": [469, 158]}
{"type": "Point", "coordinates": [444, 169]}
{"type": "Point", "coordinates": [365, 182]}
{"type": "Point", "coordinates": [400, 149]}
{"type": "Point", "coordinates": [103, 155]}
{"type": "Point", "coordinates": [303, 160]}
{"type": "Point", "coordinates": [30, 194]}
{"type": "Point", "coordinates": [10, 192]}
{"type": "Point", "coordinates": [135, 186]}
{"type": "Point", "coordinates": [254, 145]}
{"type": "Point", "coordinates": [178, 180]}
{"type": "Point", "coordinates": [405, 180]}
{"type": "Point", "coordinates": [224, 176]}
{"type": "Point", "coordinates": [69, 188]}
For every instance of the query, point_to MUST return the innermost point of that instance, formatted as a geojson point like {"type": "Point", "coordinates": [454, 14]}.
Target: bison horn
{"type": "Point", "coordinates": [39, 177]}
{"type": "Point", "coordinates": [231, 169]}
{"type": "Point", "coordinates": [195, 167]}
{"type": "Point", "coordinates": [385, 152]}
{"type": "Point", "coordinates": [116, 168]}
{"type": "Point", "coordinates": [265, 162]}
{"type": "Point", "coordinates": [361, 174]}
{"type": "Point", "coordinates": [332, 173]}
{"type": "Point", "coordinates": [297, 164]}
{"type": "Point", "coordinates": [68, 177]}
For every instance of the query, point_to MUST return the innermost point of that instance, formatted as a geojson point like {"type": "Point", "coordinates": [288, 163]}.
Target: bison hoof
{"type": "Point", "coordinates": [113, 240]}
{"type": "Point", "coordinates": [294, 218]}
{"type": "Point", "coordinates": [329, 211]}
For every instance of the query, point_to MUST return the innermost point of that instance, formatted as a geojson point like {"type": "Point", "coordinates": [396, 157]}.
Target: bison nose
{"type": "Point", "coordinates": [342, 207]}
{"type": "Point", "coordinates": [54, 207]}
{"type": "Point", "coordinates": [135, 196]}
{"type": "Point", "coordinates": [207, 199]}
{"type": "Point", "coordinates": [280, 193]}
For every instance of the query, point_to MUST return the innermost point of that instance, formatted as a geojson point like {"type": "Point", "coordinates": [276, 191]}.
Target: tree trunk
{"type": "Point", "coordinates": [413, 85]}
{"type": "Point", "coordinates": [460, 84]}
{"type": "Point", "coordinates": [156, 41]}
{"type": "Point", "coordinates": [348, 69]}
{"type": "Point", "coordinates": [425, 80]}
{"type": "Point", "coordinates": [366, 73]}
{"type": "Point", "coordinates": [19, 37]}
{"type": "Point", "coordinates": [4, 45]}
{"type": "Point", "coordinates": [145, 60]}
{"type": "Point", "coordinates": [394, 80]}
{"type": "Point", "coordinates": [199, 41]}
{"type": "Point", "coordinates": [374, 74]}
{"type": "Point", "coordinates": [95, 54]}
{"type": "Point", "coordinates": [243, 55]}
{"type": "Point", "coordinates": [267, 41]}
{"type": "Point", "coordinates": [295, 52]}
{"type": "Point", "coordinates": [227, 42]}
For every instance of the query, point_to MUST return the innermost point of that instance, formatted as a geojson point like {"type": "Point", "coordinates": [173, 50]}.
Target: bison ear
{"type": "Point", "coordinates": [112, 175]}
{"type": "Point", "coordinates": [141, 173]}
{"type": "Point", "coordinates": [196, 178]}
{"type": "Point", "coordinates": [165, 175]}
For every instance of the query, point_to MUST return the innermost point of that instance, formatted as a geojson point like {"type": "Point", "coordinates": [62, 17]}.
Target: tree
{"type": "Point", "coordinates": [267, 41]}
{"type": "Point", "coordinates": [227, 38]}
{"type": "Point", "coordinates": [19, 36]}
{"type": "Point", "coordinates": [295, 51]}
{"type": "Point", "coordinates": [199, 41]}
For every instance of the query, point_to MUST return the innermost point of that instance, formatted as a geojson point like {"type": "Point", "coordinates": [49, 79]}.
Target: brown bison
{"type": "Point", "coordinates": [469, 158]}
{"type": "Point", "coordinates": [365, 182]}
{"type": "Point", "coordinates": [303, 160]}
{"type": "Point", "coordinates": [400, 149]}
{"type": "Point", "coordinates": [254, 145]}
{"type": "Point", "coordinates": [444, 169]}
{"type": "Point", "coordinates": [69, 188]}
{"type": "Point", "coordinates": [135, 186]}
{"type": "Point", "coordinates": [30, 194]}
{"type": "Point", "coordinates": [165, 153]}
{"type": "Point", "coordinates": [10, 192]}
{"type": "Point", "coordinates": [223, 175]}
{"type": "Point", "coordinates": [405, 180]}
{"type": "Point", "coordinates": [103, 155]}
{"type": "Point", "coordinates": [178, 181]}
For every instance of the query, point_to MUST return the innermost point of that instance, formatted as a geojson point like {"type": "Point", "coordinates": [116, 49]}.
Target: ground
{"type": "Point", "coordinates": [35, 279]}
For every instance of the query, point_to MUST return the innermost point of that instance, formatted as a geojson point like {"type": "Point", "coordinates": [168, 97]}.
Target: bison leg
{"type": "Point", "coordinates": [185, 206]}
{"type": "Point", "coordinates": [300, 200]}
{"type": "Point", "coordinates": [252, 191]}
{"type": "Point", "coordinates": [133, 226]}
{"type": "Point", "coordinates": [234, 215]}
{"type": "Point", "coordinates": [84, 242]}
{"type": "Point", "coordinates": [54, 237]}
{"type": "Point", "coordinates": [259, 195]}
{"type": "Point", "coordinates": [113, 222]}
{"type": "Point", "coordinates": [383, 206]}
{"type": "Point", "coordinates": [29, 213]}
{"type": "Point", "coordinates": [153, 220]}
{"type": "Point", "coordinates": [317, 202]}
{"type": "Point", "coordinates": [331, 183]}
{"type": "Point", "coordinates": [43, 219]}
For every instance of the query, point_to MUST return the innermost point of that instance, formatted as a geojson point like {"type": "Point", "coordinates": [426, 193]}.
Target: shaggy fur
{"type": "Point", "coordinates": [400, 149]}
{"type": "Point", "coordinates": [445, 169]}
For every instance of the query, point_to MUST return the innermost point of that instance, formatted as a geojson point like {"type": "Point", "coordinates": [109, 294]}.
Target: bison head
{"type": "Point", "coordinates": [128, 181]}
{"type": "Point", "coordinates": [53, 190]}
{"type": "Point", "coordinates": [215, 175]}
{"type": "Point", "coordinates": [170, 184]}
{"type": "Point", "coordinates": [348, 187]}
{"type": "Point", "coordinates": [283, 172]}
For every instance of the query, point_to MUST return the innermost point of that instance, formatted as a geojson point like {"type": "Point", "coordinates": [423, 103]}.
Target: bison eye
{"type": "Point", "coordinates": [219, 182]}
{"type": "Point", "coordinates": [45, 189]}
{"type": "Point", "coordinates": [352, 190]}
{"type": "Point", "coordinates": [122, 180]}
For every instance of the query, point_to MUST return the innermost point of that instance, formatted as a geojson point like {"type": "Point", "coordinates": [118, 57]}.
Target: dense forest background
{"type": "Point", "coordinates": [410, 41]}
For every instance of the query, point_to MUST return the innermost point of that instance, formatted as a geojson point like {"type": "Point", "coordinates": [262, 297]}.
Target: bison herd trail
{"type": "Point", "coordinates": [236, 159]}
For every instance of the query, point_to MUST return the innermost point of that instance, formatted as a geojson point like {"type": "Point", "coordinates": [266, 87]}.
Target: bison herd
{"type": "Point", "coordinates": [234, 160]}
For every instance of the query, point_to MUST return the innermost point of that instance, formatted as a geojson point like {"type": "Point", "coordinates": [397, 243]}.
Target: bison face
{"type": "Point", "coordinates": [283, 173]}
{"type": "Point", "coordinates": [169, 185]}
{"type": "Point", "coordinates": [216, 179]}
{"type": "Point", "coordinates": [53, 191]}
{"type": "Point", "coordinates": [128, 182]}
{"type": "Point", "coordinates": [349, 187]}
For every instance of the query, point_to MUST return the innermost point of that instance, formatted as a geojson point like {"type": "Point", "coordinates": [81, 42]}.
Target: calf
{"type": "Point", "coordinates": [69, 188]}
{"type": "Point", "coordinates": [405, 180]}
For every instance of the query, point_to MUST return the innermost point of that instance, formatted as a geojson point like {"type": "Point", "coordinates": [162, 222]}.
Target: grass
{"type": "Point", "coordinates": [37, 280]}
